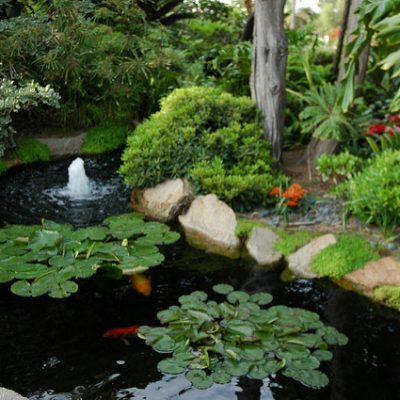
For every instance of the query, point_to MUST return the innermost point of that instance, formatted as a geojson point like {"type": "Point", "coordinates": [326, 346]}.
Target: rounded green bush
{"type": "Point", "coordinates": [374, 194]}
{"type": "Point", "coordinates": [212, 138]}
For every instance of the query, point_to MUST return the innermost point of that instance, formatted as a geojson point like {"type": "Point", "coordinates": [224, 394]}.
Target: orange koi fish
{"type": "Point", "coordinates": [118, 332]}
{"type": "Point", "coordinates": [142, 284]}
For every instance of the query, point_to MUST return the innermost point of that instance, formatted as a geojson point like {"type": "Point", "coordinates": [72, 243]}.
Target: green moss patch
{"type": "Point", "coordinates": [3, 167]}
{"type": "Point", "coordinates": [244, 227]}
{"type": "Point", "coordinates": [390, 295]}
{"type": "Point", "coordinates": [31, 150]}
{"type": "Point", "coordinates": [349, 253]}
{"type": "Point", "coordinates": [291, 241]}
{"type": "Point", "coordinates": [104, 138]}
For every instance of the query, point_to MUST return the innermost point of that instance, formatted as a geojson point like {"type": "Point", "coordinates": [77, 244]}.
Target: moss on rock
{"type": "Point", "coordinates": [389, 295]}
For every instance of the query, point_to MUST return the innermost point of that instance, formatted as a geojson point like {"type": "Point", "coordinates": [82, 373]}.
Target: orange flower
{"type": "Point", "coordinates": [142, 284]}
{"type": "Point", "coordinates": [276, 191]}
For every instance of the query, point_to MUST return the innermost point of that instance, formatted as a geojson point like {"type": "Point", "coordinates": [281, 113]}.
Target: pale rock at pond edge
{"type": "Point", "coordinates": [260, 246]}
{"type": "Point", "coordinates": [210, 225]}
{"type": "Point", "coordinates": [300, 261]}
{"type": "Point", "coordinates": [165, 201]}
{"type": "Point", "coordinates": [385, 271]}
{"type": "Point", "coordinates": [6, 394]}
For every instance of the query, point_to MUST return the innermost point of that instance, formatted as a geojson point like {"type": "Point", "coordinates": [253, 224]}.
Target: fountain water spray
{"type": "Point", "coordinates": [78, 183]}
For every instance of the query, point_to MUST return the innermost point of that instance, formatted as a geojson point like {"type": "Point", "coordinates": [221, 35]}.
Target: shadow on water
{"type": "Point", "coordinates": [54, 349]}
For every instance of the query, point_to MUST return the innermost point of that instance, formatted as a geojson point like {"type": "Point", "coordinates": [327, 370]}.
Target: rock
{"type": "Point", "coordinates": [385, 271]}
{"type": "Point", "coordinates": [164, 202]}
{"type": "Point", "coordinates": [260, 246]}
{"type": "Point", "coordinates": [6, 394]}
{"type": "Point", "coordinates": [210, 225]}
{"type": "Point", "coordinates": [300, 261]}
{"type": "Point", "coordinates": [64, 146]}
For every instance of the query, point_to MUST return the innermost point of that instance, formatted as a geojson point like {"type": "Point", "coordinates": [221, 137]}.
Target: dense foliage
{"type": "Point", "coordinates": [51, 257]}
{"type": "Point", "coordinates": [213, 342]}
{"type": "Point", "coordinates": [15, 97]}
{"type": "Point", "coordinates": [373, 195]}
{"type": "Point", "coordinates": [212, 138]}
{"type": "Point", "coordinates": [338, 167]}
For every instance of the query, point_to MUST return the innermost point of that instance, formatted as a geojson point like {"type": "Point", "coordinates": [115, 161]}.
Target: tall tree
{"type": "Point", "coordinates": [267, 80]}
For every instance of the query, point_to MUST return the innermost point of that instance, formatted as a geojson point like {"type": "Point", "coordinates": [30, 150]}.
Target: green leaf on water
{"type": "Point", "coordinates": [313, 379]}
{"type": "Point", "coordinates": [262, 298]}
{"type": "Point", "coordinates": [199, 379]}
{"type": "Point", "coordinates": [323, 355]}
{"type": "Point", "coordinates": [170, 366]}
{"type": "Point", "coordinates": [92, 233]}
{"type": "Point", "coordinates": [44, 239]}
{"type": "Point", "coordinates": [223, 288]}
{"type": "Point", "coordinates": [237, 297]}
{"type": "Point", "coordinates": [221, 377]}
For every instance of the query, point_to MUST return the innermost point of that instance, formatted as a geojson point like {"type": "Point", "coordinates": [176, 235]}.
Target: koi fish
{"type": "Point", "coordinates": [118, 332]}
{"type": "Point", "coordinates": [141, 283]}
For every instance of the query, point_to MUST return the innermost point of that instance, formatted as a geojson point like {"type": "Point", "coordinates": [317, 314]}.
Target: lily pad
{"type": "Point", "coordinates": [237, 297]}
{"type": "Point", "coordinates": [92, 233]}
{"type": "Point", "coordinates": [313, 379]}
{"type": "Point", "coordinates": [199, 379]}
{"type": "Point", "coordinates": [44, 239]}
{"type": "Point", "coordinates": [223, 288]}
{"type": "Point", "coordinates": [262, 298]}
{"type": "Point", "coordinates": [170, 366]}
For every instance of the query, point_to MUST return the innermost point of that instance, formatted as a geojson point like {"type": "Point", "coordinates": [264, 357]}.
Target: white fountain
{"type": "Point", "coordinates": [78, 183]}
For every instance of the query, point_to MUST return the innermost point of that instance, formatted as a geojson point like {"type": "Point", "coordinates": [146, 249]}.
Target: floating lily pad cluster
{"type": "Point", "coordinates": [49, 258]}
{"type": "Point", "coordinates": [212, 342]}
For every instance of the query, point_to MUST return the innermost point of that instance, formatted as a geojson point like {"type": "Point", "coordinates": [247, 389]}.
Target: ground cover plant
{"type": "Point", "coordinates": [389, 295]}
{"type": "Point", "coordinates": [212, 138]}
{"type": "Point", "coordinates": [212, 342]}
{"type": "Point", "coordinates": [349, 253]}
{"type": "Point", "coordinates": [51, 257]}
{"type": "Point", "coordinates": [104, 138]}
{"type": "Point", "coordinates": [338, 167]}
{"type": "Point", "coordinates": [31, 150]}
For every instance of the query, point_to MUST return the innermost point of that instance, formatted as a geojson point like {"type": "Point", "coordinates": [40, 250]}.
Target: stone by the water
{"type": "Point", "coordinates": [300, 261]}
{"type": "Point", "coordinates": [7, 394]}
{"type": "Point", "coordinates": [260, 246]}
{"type": "Point", "coordinates": [210, 225]}
{"type": "Point", "coordinates": [164, 202]}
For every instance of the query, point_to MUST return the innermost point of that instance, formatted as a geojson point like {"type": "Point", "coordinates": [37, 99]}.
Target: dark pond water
{"type": "Point", "coordinates": [28, 194]}
{"type": "Point", "coordinates": [54, 349]}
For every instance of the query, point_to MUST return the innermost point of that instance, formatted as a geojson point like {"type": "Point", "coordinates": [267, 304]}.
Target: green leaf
{"type": "Point", "coordinates": [237, 297]}
{"type": "Point", "coordinates": [61, 261]}
{"type": "Point", "coordinates": [223, 288]}
{"type": "Point", "coordinates": [313, 379]}
{"type": "Point", "coordinates": [22, 288]}
{"type": "Point", "coordinates": [164, 344]}
{"type": "Point", "coordinates": [170, 237]}
{"type": "Point", "coordinates": [170, 366]}
{"type": "Point", "coordinates": [323, 355]}
{"type": "Point", "coordinates": [221, 377]}
{"type": "Point", "coordinates": [44, 239]}
{"type": "Point", "coordinates": [252, 352]}
{"type": "Point", "coordinates": [63, 289]}
{"type": "Point", "coordinates": [242, 328]}
{"type": "Point", "coordinates": [333, 336]}
{"type": "Point", "coordinates": [236, 368]}
{"type": "Point", "coordinates": [261, 298]}
{"type": "Point", "coordinates": [199, 379]}
{"type": "Point", "coordinates": [92, 233]}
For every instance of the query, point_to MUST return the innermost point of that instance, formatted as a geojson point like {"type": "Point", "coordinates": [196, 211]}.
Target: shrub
{"type": "Point", "coordinates": [31, 150]}
{"type": "Point", "coordinates": [211, 137]}
{"type": "Point", "coordinates": [374, 194]}
{"type": "Point", "coordinates": [349, 253]}
{"type": "Point", "coordinates": [338, 167]}
{"type": "Point", "coordinates": [102, 139]}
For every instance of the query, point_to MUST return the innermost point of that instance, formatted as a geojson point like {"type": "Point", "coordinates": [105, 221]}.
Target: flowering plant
{"type": "Point", "coordinates": [391, 127]}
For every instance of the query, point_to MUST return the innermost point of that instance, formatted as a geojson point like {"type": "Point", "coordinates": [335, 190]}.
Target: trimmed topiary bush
{"type": "Point", "coordinates": [212, 138]}
{"type": "Point", "coordinates": [31, 150]}
{"type": "Point", "coordinates": [104, 138]}
{"type": "Point", "coordinates": [349, 253]}
{"type": "Point", "coordinates": [374, 194]}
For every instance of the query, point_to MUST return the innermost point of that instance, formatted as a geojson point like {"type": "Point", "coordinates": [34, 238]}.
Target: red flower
{"type": "Point", "coordinates": [394, 118]}
{"type": "Point", "coordinates": [275, 192]}
{"type": "Point", "coordinates": [376, 129]}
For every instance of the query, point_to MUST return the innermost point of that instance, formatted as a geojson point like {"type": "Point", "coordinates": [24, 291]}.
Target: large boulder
{"type": "Point", "coordinates": [383, 272]}
{"type": "Point", "coordinates": [6, 394]}
{"type": "Point", "coordinates": [260, 246]}
{"type": "Point", "coordinates": [210, 225]}
{"type": "Point", "coordinates": [164, 202]}
{"type": "Point", "coordinates": [300, 261]}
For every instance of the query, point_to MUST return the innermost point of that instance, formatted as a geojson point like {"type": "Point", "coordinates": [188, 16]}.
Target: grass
{"type": "Point", "coordinates": [3, 167]}
{"type": "Point", "coordinates": [31, 150]}
{"type": "Point", "coordinates": [244, 227]}
{"type": "Point", "coordinates": [104, 138]}
{"type": "Point", "coordinates": [349, 253]}
{"type": "Point", "coordinates": [291, 241]}
{"type": "Point", "coordinates": [390, 295]}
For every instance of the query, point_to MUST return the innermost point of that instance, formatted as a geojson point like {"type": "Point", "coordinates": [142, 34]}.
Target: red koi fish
{"type": "Point", "coordinates": [118, 332]}
{"type": "Point", "coordinates": [141, 283]}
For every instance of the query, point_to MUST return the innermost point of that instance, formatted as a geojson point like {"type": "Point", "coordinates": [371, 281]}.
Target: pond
{"type": "Point", "coordinates": [55, 349]}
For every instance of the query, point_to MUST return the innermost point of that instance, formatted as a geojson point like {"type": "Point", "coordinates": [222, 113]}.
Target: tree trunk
{"type": "Point", "coordinates": [318, 147]}
{"type": "Point", "coordinates": [248, 4]}
{"type": "Point", "coordinates": [267, 80]}
{"type": "Point", "coordinates": [293, 16]}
